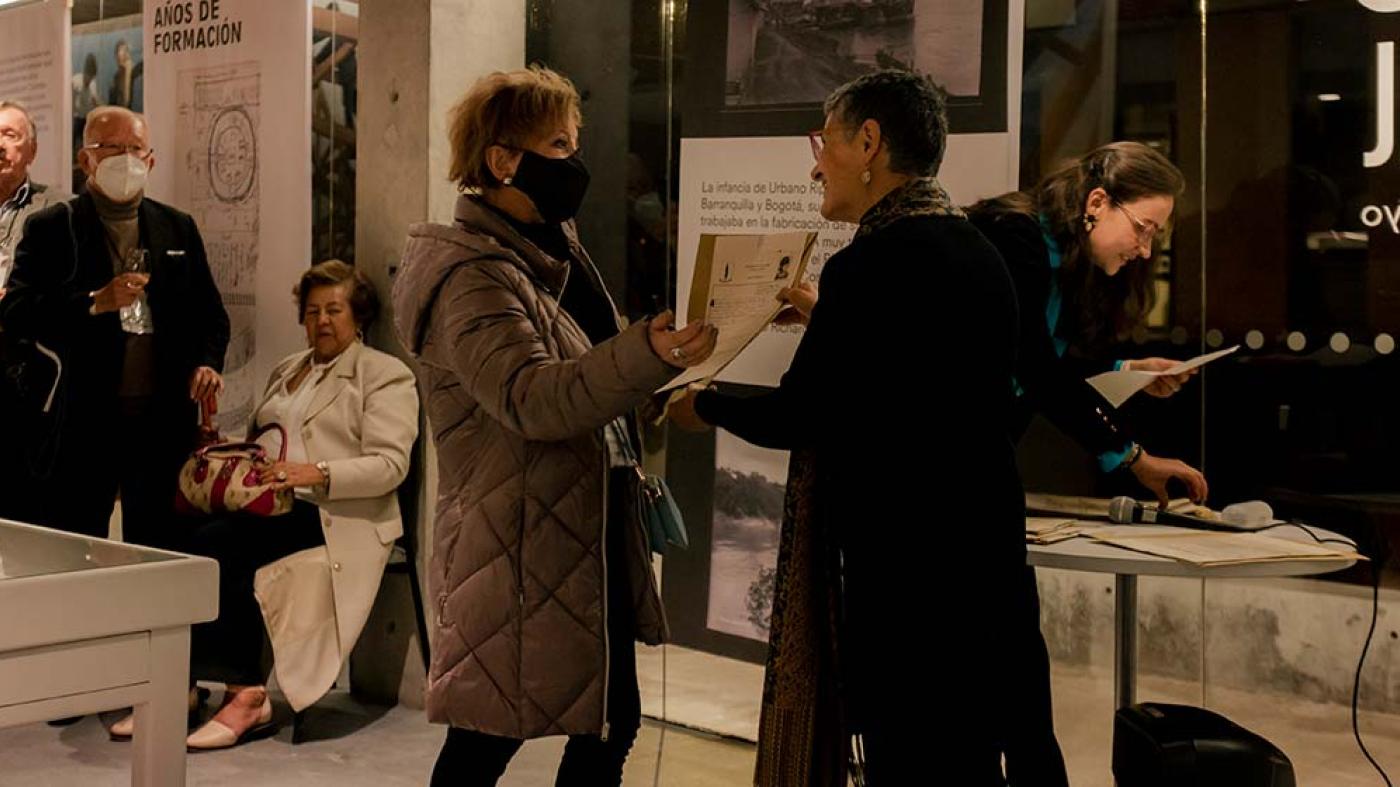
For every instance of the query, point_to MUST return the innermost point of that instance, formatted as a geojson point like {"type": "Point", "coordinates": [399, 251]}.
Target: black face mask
{"type": "Point", "coordinates": [555, 185]}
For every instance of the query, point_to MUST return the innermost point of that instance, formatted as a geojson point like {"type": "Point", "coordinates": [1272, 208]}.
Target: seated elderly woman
{"type": "Point", "coordinates": [350, 414]}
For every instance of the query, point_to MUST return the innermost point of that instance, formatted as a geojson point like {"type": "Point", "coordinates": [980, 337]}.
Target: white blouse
{"type": "Point", "coordinates": [288, 410]}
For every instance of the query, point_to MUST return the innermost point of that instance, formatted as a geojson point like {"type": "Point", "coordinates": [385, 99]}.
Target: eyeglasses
{"type": "Point", "coordinates": [1147, 231]}
{"type": "Point", "coordinates": [13, 135]}
{"type": "Point", "coordinates": [139, 151]}
{"type": "Point", "coordinates": [815, 138]}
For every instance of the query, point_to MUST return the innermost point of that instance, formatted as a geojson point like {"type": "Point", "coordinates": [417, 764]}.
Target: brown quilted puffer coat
{"type": "Point", "coordinates": [517, 400]}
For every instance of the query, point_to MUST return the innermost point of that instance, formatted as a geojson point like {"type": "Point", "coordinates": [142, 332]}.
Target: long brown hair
{"type": "Point", "coordinates": [1100, 308]}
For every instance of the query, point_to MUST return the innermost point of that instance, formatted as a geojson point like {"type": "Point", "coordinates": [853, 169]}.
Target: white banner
{"type": "Point", "coordinates": [34, 72]}
{"type": "Point", "coordinates": [228, 100]}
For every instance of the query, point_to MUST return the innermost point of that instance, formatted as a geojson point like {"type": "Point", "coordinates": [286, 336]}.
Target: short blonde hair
{"type": "Point", "coordinates": [506, 108]}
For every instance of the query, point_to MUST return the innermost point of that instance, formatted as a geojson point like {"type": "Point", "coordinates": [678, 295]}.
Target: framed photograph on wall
{"type": "Point", "coordinates": [108, 68]}
{"type": "Point", "coordinates": [763, 67]}
{"type": "Point", "coordinates": [719, 592]}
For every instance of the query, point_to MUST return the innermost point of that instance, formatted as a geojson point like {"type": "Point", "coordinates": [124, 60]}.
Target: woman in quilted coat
{"type": "Point", "coordinates": [541, 574]}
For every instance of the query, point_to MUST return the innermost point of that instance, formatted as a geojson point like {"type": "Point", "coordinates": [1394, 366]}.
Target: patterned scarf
{"type": "Point", "coordinates": [918, 197]}
{"type": "Point", "coordinates": [802, 739]}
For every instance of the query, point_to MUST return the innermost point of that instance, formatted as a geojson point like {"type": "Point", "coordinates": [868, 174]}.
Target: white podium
{"type": "Point", "coordinates": [88, 625]}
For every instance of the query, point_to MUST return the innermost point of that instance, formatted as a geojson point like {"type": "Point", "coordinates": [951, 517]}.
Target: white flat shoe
{"type": "Point", "coordinates": [216, 735]}
{"type": "Point", "coordinates": [126, 725]}
{"type": "Point", "coordinates": [123, 728]}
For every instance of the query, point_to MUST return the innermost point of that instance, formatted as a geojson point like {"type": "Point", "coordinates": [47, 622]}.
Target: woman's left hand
{"type": "Point", "coordinates": [1165, 385]}
{"type": "Point", "coordinates": [287, 475]}
{"type": "Point", "coordinates": [1154, 473]}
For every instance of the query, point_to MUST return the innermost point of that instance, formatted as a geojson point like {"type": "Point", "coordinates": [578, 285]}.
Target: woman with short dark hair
{"type": "Point", "coordinates": [905, 517]}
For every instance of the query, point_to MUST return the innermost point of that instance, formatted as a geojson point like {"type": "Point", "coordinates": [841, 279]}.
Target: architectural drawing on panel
{"type": "Point", "coordinates": [218, 183]}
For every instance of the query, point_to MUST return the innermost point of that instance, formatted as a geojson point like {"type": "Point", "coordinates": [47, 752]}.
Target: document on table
{"type": "Point", "coordinates": [1118, 387]}
{"type": "Point", "coordinates": [735, 288]}
{"type": "Point", "coordinates": [1214, 548]}
{"type": "Point", "coordinates": [1052, 530]}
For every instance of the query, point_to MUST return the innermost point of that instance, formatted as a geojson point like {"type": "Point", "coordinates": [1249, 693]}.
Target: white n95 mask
{"type": "Point", "coordinates": [122, 178]}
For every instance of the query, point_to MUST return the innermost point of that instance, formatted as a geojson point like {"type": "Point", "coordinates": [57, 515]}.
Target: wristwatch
{"type": "Point", "coordinates": [92, 303]}
{"type": "Point", "coordinates": [325, 474]}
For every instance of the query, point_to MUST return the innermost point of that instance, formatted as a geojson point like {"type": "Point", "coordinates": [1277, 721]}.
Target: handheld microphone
{"type": "Point", "coordinates": [1127, 511]}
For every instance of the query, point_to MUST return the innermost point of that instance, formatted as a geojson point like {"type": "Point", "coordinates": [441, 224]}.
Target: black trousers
{"type": "Point", "coordinates": [133, 446]}
{"type": "Point", "coordinates": [20, 497]}
{"type": "Point", "coordinates": [473, 759]}
{"type": "Point", "coordinates": [1033, 756]}
{"type": "Point", "coordinates": [231, 648]}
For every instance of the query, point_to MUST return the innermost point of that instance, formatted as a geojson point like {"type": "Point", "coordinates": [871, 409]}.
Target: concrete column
{"type": "Point", "coordinates": [416, 59]}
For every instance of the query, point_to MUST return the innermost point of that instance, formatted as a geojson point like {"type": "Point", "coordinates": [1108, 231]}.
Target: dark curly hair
{"type": "Point", "coordinates": [912, 112]}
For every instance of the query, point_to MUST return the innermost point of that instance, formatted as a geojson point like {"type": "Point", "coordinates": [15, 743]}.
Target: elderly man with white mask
{"type": "Point", "coordinates": [119, 287]}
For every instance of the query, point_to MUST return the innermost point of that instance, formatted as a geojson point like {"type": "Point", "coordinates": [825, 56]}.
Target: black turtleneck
{"type": "Point", "coordinates": [121, 223]}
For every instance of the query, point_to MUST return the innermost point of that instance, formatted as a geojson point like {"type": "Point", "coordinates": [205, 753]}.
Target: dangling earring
{"type": "Point", "coordinates": [359, 334]}
{"type": "Point", "coordinates": [1089, 221]}
{"type": "Point", "coordinates": [865, 177]}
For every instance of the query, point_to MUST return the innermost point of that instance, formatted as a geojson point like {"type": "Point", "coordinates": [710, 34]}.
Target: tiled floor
{"type": "Point", "coordinates": [378, 747]}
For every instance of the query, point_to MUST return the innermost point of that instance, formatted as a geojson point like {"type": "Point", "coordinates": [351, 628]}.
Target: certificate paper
{"type": "Point", "coordinates": [736, 286]}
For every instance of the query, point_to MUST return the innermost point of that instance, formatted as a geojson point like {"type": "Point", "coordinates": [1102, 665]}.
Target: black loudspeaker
{"type": "Point", "coordinates": [1157, 745]}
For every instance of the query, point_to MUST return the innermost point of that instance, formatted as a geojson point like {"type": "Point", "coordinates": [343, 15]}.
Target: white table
{"type": "Point", "coordinates": [88, 625]}
{"type": "Point", "coordinates": [1082, 554]}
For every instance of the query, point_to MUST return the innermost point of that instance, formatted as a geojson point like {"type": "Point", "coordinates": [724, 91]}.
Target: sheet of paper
{"type": "Point", "coordinates": [736, 286]}
{"type": "Point", "coordinates": [1046, 524]}
{"type": "Point", "coordinates": [1052, 530]}
{"type": "Point", "coordinates": [1118, 387]}
{"type": "Point", "coordinates": [1211, 548]}
{"type": "Point", "coordinates": [1053, 538]}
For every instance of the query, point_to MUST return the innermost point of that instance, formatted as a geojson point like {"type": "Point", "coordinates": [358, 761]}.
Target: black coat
{"type": "Point", "coordinates": [1054, 386]}
{"type": "Point", "coordinates": [48, 300]}
{"type": "Point", "coordinates": [902, 388]}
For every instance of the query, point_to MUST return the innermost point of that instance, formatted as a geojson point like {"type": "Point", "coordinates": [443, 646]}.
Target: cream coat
{"type": "Point", "coordinates": [362, 422]}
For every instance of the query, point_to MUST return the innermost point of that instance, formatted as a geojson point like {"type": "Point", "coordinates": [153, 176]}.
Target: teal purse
{"type": "Point", "coordinates": [657, 509]}
{"type": "Point", "coordinates": [665, 527]}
